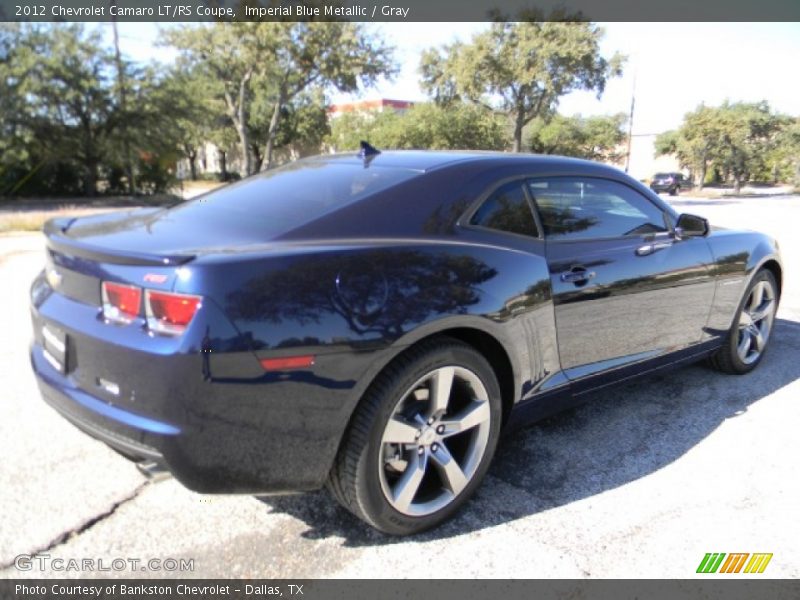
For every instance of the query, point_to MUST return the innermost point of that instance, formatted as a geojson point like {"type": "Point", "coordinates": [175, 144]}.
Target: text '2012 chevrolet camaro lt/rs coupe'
{"type": "Point", "coordinates": [372, 322]}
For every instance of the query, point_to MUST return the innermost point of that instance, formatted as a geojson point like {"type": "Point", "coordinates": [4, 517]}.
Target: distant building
{"type": "Point", "coordinates": [369, 106]}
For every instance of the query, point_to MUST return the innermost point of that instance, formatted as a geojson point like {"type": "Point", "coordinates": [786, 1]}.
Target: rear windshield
{"type": "Point", "coordinates": [663, 175]}
{"type": "Point", "coordinates": [285, 198]}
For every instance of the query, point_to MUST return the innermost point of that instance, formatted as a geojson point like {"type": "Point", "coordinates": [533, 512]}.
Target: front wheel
{"type": "Point", "coordinates": [421, 439]}
{"type": "Point", "coordinates": [750, 332]}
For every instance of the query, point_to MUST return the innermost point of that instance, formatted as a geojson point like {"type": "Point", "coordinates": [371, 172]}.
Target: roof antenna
{"type": "Point", "coordinates": [368, 152]}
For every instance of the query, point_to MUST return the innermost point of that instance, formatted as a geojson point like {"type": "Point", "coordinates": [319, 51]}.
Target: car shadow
{"type": "Point", "coordinates": [618, 436]}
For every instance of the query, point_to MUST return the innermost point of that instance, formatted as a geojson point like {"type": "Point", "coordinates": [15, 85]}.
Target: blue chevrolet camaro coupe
{"type": "Point", "coordinates": [372, 322]}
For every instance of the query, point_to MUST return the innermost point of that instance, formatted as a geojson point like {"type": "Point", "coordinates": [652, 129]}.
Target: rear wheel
{"type": "Point", "coordinates": [751, 329]}
{"type": "Point", "coordinates": [421, 439]}
{"type": "Point", "coordinates": [673, 191]}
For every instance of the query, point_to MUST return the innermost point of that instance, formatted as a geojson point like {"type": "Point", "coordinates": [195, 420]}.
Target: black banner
{"type": "Point", "coordinates": [166, 589]}
{"type": "Point", "coordinates": [171, 11]}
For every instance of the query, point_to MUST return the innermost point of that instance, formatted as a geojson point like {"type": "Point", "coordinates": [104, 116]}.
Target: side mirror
{"type": "Point", "coordinates": [691, 226]}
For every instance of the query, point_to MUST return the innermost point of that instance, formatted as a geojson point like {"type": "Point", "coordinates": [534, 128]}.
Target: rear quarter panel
{"type": "Point", "coordinates": [365, 301]}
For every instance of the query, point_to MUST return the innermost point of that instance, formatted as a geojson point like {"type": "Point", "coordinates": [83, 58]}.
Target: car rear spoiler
{"type": "Point", "coordinates": [55, 232]}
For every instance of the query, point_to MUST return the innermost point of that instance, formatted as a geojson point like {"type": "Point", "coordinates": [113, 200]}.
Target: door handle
{"type": "Point", "coordinates": [651, 248]}
{"type": "Point", "coordinates": [577, 275]}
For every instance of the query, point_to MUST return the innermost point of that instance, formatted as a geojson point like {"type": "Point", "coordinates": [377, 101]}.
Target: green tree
{"type": "Point", "coordinates": [261, 70]}
{"type": "Point", "coordinates": [67, 91]}
{"type": "Point", "coordinates": [747, 134]}
{"type": "Point", "coordinates": [694, 143]}
{"type": "Point", "coordinates": [520, 69]}
{"type": "Point", "coordinates": [735, 139]}
{"type": "Point", "coordinates": [427, 126]}
{"type": "Point", "coordinates": [303, 126]}
{"type": "Point", "coordinates": [785, 156]}
{"type": "Point", "coordinates": [592, 138]}
{"type": "Point", "coordinates": [193, 110]}
{"type": "Point", "coordinates": [13, 138]}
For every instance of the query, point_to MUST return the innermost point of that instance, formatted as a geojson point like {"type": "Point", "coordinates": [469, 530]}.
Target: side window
{"type": "Point", "coordinates": [574, 208]}
{"type": "Point", "coordinates": [507, 209]}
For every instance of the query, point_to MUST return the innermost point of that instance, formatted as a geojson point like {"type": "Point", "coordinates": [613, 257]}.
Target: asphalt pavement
{"type": "Point", "coordinates": [641, 481]}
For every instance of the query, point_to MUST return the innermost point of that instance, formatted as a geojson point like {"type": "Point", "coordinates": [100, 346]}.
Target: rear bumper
{"type": "Point", "coordinates": [86, 413]}
{"type": "Point", "coordinates": [663, 187]}
{"type": "Point", "coordinates": [279, 434]}
{"type": "Point", "coordinates": [215, 420]}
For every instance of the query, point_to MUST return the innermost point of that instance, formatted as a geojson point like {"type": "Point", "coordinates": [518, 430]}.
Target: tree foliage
{"type": "Point", "coordinates": [593, 138]}
{"type": "Point", "coordinates": [520, 69]}
{"type": "Point", "coordinates": [264, 71]}
{"type": "Point", "coordinates": [737, 141]}
{"type": "Point", "coordinates": [423, 126]}
{"type": "Point", "coordinates": [63, 120]}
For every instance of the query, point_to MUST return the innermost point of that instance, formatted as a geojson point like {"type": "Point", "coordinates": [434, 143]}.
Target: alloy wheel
{"type": "Point", "coordinates": [434, 441]}
{"type": "Point", "coordinates": [755, 322]}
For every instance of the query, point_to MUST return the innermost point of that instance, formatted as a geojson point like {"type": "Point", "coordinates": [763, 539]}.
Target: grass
{"type": "Point", "coordinates": [33, 220]}
{"type": "Point", "coordinates": [30, 214]}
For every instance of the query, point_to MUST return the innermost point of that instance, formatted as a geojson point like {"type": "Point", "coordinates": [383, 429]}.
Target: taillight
{"type": "Point", "coordinates": [121, 302]}
{"type": "Point", "coordinates": [169, 313]}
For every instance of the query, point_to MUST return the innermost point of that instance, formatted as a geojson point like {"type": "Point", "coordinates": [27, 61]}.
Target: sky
{"type": "Point", "coordinates": [673, 67]}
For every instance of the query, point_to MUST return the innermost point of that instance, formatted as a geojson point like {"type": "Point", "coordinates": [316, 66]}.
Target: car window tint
{"type": "Point", "coordinates": [507, 209]}
{"type": "Point", "coordinates": [578, 208]}
{"type": "Point", "coordinates": [287, 197]}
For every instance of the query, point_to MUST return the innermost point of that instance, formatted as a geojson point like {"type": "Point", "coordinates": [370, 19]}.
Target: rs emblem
{"type": "Point", "coordinates": [155, 278]}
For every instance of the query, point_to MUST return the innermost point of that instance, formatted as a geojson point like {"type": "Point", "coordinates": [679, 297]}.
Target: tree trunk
{"type": "Point", "coordinates": [223, 165]}
{"type": "Point", "coordinates": [89, 161]}
{"type": "Point", "coordinates": [193, 165]}
{"type": "Point", "coordinates": [273, 128]}
{"type": "Point", "coordinates": [702, 179]}
{"type": "Point", "coordinates": [237, 111]}
{"type": "Point", "coordinates": [737, 183]}
{"type": "Point", "coordinates": [518, 125]}
{"type": "Point", "coordinates": [244, 146]}
{"type": "Point", "coordinates": [258, 158]}
{"type": "Point", "coordinates": [90, 178]}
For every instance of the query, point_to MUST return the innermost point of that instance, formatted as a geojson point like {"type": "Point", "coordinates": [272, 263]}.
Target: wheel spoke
{"type": "Point", "coordinates": [744, 344]}
{"type": "Point", "coordinates": [408, 485]}
{"type": "Point", "coordinates": [745, 320]}
{"type": "Point", "coordinates": [452, 475]}
{"type": "Point", "coordinates": [472, 416]}
{"type": "Point", "coordinates": [757, 338]}
{"type": "Point", "coordinates": [441, 386]}
{"type": "Point", "coordinates": [399, 432]}
{"type": "Point", "coordinates": [756, 296]}
{"type": "Point", "coordinates": [762, 311]}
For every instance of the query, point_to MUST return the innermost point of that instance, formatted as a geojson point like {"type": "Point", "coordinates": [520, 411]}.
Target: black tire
{"type": "Point", "coordinates": [355, 480]}
{"type": "Point", "coordinates": [727, 358]}
{"type": "Point", "coordinates": [673, 191]}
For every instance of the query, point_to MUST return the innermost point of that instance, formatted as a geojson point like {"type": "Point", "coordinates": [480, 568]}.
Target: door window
{"type": "Point", "coordinates": [584, 208]}
{"type": "Point", "coordinates": [507, 209]}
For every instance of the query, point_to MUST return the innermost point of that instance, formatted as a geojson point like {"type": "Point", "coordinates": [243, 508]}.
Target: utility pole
{"type": "Point", "coordinates": [126, 146]}
{"type": "Point", "coordinates": [630, 124]}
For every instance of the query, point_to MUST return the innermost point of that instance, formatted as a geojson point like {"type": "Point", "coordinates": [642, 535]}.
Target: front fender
{"type": "Point", "coordinates": [738, 256]}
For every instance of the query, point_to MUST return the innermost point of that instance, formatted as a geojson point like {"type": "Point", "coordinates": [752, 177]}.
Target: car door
{"type": "Point", "coordinates": [624, 288]}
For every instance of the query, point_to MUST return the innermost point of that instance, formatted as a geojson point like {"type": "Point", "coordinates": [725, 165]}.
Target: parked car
{"type": "Point", "coordinates": [670, 182]}
{"type": "Point", "coordinates": [372, 323]}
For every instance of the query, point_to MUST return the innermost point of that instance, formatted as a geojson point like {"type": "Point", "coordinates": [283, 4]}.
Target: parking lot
{"type": "Point", "coordinates": [640, 482]}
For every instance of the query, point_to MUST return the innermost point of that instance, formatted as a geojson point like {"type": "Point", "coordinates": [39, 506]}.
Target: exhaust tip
{"type": "Point", "coordinates": [153, 470]}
